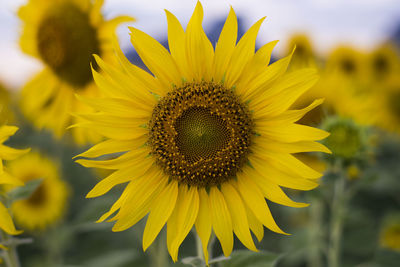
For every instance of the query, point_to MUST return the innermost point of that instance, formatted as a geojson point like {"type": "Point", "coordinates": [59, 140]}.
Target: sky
{"type": "Point", "coordinates": [361, 23]}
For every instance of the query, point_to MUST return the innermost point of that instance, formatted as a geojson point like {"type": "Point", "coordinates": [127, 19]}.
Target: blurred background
{"type": "Point", "coordinates": [354, 217]}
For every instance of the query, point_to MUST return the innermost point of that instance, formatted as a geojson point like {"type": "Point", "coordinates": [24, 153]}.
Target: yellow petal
{"type": "Point", "coordinates": [271, 190]}
{"type": "Point", "coordinates": [292, 133]}
{"type": "Point", "coordinates": [7, 131]}
{"type": "Point", "coordinates": [287, 163]}
{"type": "Point", "coordinates": [255, 201]}
{"type": "Point", "coordinates": [110, 146]}
{"type": "Point", "coordinates": [264, 144]}
{"type": "Point", "coordinates": [283, 92]}
{"type": "Point", "coordinates": [8, 153]}
{"type": "Point", "coordinates": [225, 46]}
{"type": "Point", "coordinates": [203, 221]}
{"type": "Point", "coordinates": [176, 43]}
{"type": "Point", "coordinates": [156, 58]}
{"type": "Point", "coordinates": [243, 52]}
{"type": "Point", "coordinates": [6, 178]}
{"type": "Point", "coordinates": [140, 199]}
{"type": "Point", "coordinates": [288, 116]}
{"type": "Point", "coordinates": [133, 172]}
{"type": "Point", "coordinates": [183, 218]}
{"type": "Point", "coordinates": [255, 226]}
{"type": "Point", "coordinates": [162, 208]}
{"type": "Point", "coordinates": [255, 66]}
{"type": "Point", "coordinates": [238, 215]}
{"type": "Point", "coordinates": [199, 50]}
{"type": "Point", "coordinates": [139, 77]}
{"type": "Point", "coordinates": [221, 220]}
{"type": "Point", "coordinates": [6, 223]}
{"type": "Point", "coordinates": [282, 176]}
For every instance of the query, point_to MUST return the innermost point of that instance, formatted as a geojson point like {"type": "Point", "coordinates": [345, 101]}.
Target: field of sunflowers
{"type": "Point", "coordinates": [211, 144]}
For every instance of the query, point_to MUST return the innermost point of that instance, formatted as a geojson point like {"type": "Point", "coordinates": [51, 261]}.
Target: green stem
{"type": "Point", "coordinates": [337, 214]}
{"type": "Point", "coordinates": [158, 252]}
{"type": "Point", "coordinates": [315, 230]}
{"type": "Point", "coordinates": [199, 247]}
{"type": "Point", "coordinates": [10, 255]}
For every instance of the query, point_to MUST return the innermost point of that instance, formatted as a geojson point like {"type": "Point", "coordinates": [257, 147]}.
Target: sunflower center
{"type": "Point", "coordinates": [381, 65]}
{"type": "Point", "coordinates": [37, 197]}
{"type": "Point", "coordinates": [348, 66]}
{"type": "Point", "coordinates": [200, 134]}
{"type": "Point", "coordinates": [66, 41]}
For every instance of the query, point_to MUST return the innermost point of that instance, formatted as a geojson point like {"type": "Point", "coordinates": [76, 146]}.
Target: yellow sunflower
{"type": "Point", "coordinates": [7, 153]}
{"type": "Point", "coordinates": [6, 114]}
{"type": "Point", "coordinates": [390, 235]}
{"type": "Point", "coordinates": [384, 64]}
{"type": "Point", "coordinates": [47, 203]}
{"type": "Point", "coordinates": [386, 113]}
{"type": "Point", "coordinates": [348, 63]}
{"type": "Point", "coordinates": [206, 138]}
{"type": "Point", "coordinates": [63, 34]}
{"type": "Point", "coordinates": [304, 55]}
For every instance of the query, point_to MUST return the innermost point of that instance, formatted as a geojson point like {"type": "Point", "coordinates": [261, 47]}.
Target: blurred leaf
{"type": "Point", "coordinates": [115, 259]}
{"type": "Point", "coordinates": [245, 258]}
{"type": "Point", "coordinates": [24, 192]}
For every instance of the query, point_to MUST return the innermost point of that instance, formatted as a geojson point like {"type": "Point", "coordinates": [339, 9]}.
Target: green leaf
{"type": "Point", "coordinates": [24, 192]}
{"type": "Point", "coordinates": [246, 258]}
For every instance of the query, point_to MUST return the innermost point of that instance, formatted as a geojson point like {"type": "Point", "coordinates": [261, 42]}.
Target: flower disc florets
{"type": "Point", "coordinates": [201, 134]}
{"type": "Point", "coordinates": [66, 42]}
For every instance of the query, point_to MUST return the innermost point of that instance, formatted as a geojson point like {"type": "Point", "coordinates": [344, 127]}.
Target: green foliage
{"type": "Point", "coordinates": [24, 192]}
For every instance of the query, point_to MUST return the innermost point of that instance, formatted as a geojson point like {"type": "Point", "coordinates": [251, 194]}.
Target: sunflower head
{"type": "Point", "coordinates": [205, 138]}
{"type": "Point", "coordinates": [346, 138]}
{"type": "Point", "coordinates": [304, 55]}
{"type": "Point", "coordinates": [6, 114]}
{"type": "Point", "coordinates": [64, 35]}
{"type": "Point", "coordinates": [384, 63]}
{"type": "Point", "coordinates": [347, 62]}
{"type": "Point", "coordinates": [66, 41]}
{"type": "Point", "coordinates": [47, 203]}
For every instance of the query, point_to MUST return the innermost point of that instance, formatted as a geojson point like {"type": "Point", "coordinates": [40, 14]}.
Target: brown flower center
{"type": "Point", "coordinates": [66, 41]}
{"type": "Point", "coordinates": [200, 134]}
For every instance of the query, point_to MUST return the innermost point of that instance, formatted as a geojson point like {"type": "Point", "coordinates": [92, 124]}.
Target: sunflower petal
{"type": "Point", "coordinates": [6, 223]}
{"type": "Point", "coordinates": [225, 46]}
{"type": "Point", "coordinates": [221, 220]}
{"type": "Point", "coordinates": [203, 221]}
{"type": "Point", "coordinates": [156, 58]}
{"type": "Point", "coordinates": [254, 199]}
{"type": "Point", "coordinates": [199, 50]}
{"type": "Point", "coordinates": [238, 215]}
{"type": "Point", "coordinates": [161, 209]}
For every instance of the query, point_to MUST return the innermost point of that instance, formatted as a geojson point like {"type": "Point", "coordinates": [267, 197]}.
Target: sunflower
{"type": "Point", "coordinates": [384, 64]}
{"type": "Point", "coordinates": [348, 63]}
{"type": "Point", "coordinates": [47, 203]}
{"type": "Point", "coordinates": [6, 114]}
{"type": "Point", "coordinates": [63, 34]}
{"type": "Point", "coordinates": [304, 55]}
{"type": "Point", "coordinates": [7, 153]}
{"type": "Point", "coordinates": [386, 113]}
{"type": "Point", "coordinates": [206, 139]}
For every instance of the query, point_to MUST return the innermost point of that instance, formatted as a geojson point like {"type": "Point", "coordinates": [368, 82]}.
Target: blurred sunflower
{"type": "Point", "coordinates": [304, 55]}
{"type": "Point", "coordinates": [47, 203]}
{"type": "Point", "coordinates": [390, 235]}
{"type": "Point", "coordinates": [384, 64]}
{"type": "Point", "coordinates": [347, 62]}
{"type": "Point", "coordinates": [6, 114]}
{"type": "Point", "coordinates": [63, 34]}
{"type": "Point", "coordinates": [387, 102]}
{"type": "Point", "coordinates": [206, 139]}
{"type": "Point", "coordinates": [7, 153]}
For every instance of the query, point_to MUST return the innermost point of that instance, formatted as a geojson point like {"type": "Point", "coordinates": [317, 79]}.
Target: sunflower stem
{"type": "Point", "coordinates": [337, 214]}
{"type": "Point", "coordinates": [10, 255]}
{"type": "Point", "coordinates": [315, 240]}
{"type": "Point", "coordinates": [158, 252]}
{"type": "Point", "coordinates": [199, 248]}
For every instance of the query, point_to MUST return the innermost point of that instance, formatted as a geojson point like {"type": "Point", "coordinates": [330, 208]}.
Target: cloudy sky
{"type": "Point", "coordinates": [361, 23]}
